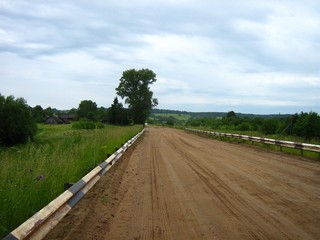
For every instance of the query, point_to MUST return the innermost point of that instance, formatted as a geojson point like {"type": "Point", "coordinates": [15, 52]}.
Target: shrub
{"type": "Point", "coordinates": [270, 126]}
{"type": "Point", "coordinates": [244, 126]}
{"type": "Point", "coordinates": [307, 125]}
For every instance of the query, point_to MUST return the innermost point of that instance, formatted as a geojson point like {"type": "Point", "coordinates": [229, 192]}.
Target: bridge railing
{"type": "Point", "coordinates": [39, 225]}
{"type": "Point", "coordinates": [281, 143]}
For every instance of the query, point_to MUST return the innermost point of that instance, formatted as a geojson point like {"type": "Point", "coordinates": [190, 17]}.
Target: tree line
{"type": "Point", "coordinates": [305, 125]}
{"type": "Point", "coordinates": [18, 120]}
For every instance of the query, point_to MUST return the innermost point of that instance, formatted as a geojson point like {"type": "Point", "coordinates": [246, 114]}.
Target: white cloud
{"type": "Point", "coordinates": [208, 55]}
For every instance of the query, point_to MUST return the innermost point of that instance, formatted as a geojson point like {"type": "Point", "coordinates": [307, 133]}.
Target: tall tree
{"type": "Point", "coordinates": [114, 111]}
{"type": "Point", "coordinates": [134, 87]}
{"type": "Point", "coordinates": [88, 110]}
{"type": "Point", "coordinates": [118, 114]}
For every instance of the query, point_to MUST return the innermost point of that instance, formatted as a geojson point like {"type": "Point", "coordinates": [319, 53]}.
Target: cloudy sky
{"type": "Point", "coordinates": [209, 55]}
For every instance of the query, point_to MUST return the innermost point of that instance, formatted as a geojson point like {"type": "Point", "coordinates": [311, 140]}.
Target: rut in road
{"type": "Point", "coordinates": [176, 185]}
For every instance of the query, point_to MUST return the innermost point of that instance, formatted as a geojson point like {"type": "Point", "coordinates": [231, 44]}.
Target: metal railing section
{"type": "Point", "coordinates": [281, 143]}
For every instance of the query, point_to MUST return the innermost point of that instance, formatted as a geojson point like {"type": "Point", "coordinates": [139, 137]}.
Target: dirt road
{"type": "Point", "coordinates": [176, 185]}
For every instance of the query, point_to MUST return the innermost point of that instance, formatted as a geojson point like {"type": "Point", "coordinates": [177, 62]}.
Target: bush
{"type": "Point", "coordinates": [270, 126]}
{"type": "Point", "coordinates": [307, 125]}
{"type": "Point", "coordinates": [17, 125]}
{"type": "Point", "coordinates": [244, 126]}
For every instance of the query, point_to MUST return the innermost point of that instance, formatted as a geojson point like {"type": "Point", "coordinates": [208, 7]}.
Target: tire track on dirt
{"type": "Point", "coordinates": [176, 185]}
{"type": "Point", "coordinates": [223, 192]}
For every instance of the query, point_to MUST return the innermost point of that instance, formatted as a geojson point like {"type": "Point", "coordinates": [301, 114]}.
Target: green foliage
{"type": "Point", "coordinates": [244, 126]}
{"type": "Point", "coordinates": [87, 110]}
{"type": "Point", "coordinates": [117, 114]}
{"type": "Point", "coordinates": [82, 124]}
{"type": "Point", "coordinates": [173, 117]}
{"type": "Point", "coordinates": [102, 114]}
{"type": "Point", "coordinates": [48, 112]}
{"type": "Point", "coordinates": [38, 114]}
{"type": "Point", "coordinates": [231, 114]}
{"type": "Point", "coordinates": [17, 125]}
{"type": "Point", "coordinates": [305, 125]}
{"type": "Point", "coordinates": [134, 87]}
{"type": "Point", "coordinates": [270, 126]}
{"type": "Point", "coordinates": [34, 174]}
{"type": "Point", "coordinates": [99, 125]}
{"type": "Point", "coordinates": [170, 121]}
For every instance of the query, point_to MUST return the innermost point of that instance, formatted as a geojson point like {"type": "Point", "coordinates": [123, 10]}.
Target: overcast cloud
{"type": "Point", "coordinates": [209, 55]}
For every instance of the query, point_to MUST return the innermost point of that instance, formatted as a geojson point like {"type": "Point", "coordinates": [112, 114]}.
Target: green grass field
{"type": "Point", "coordinates": [34, 174]}
{"type": "Point", "coordinates": [181, 117]}
{"type": "Point", "coordinates": [160, 117]}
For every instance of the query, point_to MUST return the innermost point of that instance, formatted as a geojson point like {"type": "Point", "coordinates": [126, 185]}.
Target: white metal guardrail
{"type": "Point", "coordinates": [296, 145]}
{"type": "Point", "coordinates": [39, 225]}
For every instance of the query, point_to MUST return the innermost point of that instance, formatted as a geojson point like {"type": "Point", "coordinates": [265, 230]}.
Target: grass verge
{"type": "Point", "coordinates": [34, 174]}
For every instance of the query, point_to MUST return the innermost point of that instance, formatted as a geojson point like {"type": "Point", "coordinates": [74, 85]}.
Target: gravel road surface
{"type": "Point", "coordinates": [175, 185]}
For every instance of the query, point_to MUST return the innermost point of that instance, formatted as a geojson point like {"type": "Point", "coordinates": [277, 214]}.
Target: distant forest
{"type": "Point", "coordinates": [304, 125]}
{"type": "Point", "coordinates": [214, 114]}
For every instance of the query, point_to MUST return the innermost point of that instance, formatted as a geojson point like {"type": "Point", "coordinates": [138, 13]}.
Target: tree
{"type": "Point", "coordinates": [114, 111]}
{"type": "Point", "coordinates": [134, 87]}
{"type": "Point", "coordinates": [231, 120]}
{"type": "Point", "coordinates": [16, 122]}
{"type": "Point", "coordinates": [87, 110]}
{"type": "Point", "coordinates": [307, 125]}
{"type": "Point", "coordinates": [231, 114]}
{"type": "Point", "coordinates": [102, 114]}
{"type": "Point", "coordinates": [118, 114]}
{"type": "Point", "coordinates": [38, 114]}
{"type": "Point", "coordinates": [48, 112]}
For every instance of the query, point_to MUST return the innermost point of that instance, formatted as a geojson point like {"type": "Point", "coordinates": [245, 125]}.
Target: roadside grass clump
{"type": "Point", "coordinates": [34, 174]}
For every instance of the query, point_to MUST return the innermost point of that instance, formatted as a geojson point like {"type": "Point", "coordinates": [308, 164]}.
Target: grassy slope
{"type": "Point", "coordinates": [179, 117]}
{"type": "Point", "coordinates": [34, 174]}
